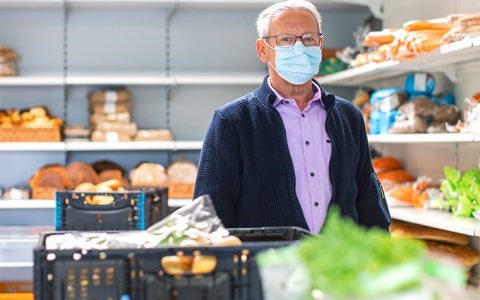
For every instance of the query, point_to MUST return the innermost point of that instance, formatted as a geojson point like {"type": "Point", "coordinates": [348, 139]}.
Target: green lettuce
{"type": "Point", "coordinates": [462, 191]}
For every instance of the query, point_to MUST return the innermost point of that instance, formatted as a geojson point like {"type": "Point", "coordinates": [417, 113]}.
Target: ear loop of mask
{"type": "Point", "coordinates": [269, 59]}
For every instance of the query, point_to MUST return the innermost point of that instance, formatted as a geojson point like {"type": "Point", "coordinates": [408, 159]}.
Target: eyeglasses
{"type": "Point", "coordinates": [288, 40]}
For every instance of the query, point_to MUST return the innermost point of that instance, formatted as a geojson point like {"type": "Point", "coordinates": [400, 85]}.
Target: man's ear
{"type": "Point", "coordinates": [262, 50]}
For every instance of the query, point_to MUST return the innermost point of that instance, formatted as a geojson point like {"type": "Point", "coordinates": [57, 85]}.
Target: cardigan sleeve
{"type": "Point", "coordinates": [371, 203]}
{"type": "Point", "coordinates": [219, 172]}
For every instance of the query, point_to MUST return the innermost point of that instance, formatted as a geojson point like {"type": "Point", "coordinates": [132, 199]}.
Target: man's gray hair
{"type": "Point", "coordinates": [265, 17]}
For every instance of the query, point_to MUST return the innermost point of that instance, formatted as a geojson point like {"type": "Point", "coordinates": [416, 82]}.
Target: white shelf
{"type": "Point", "coordinates": [47, 80]}
{"type": "Point", "coordinates": [436, 219]}
{"type": "Point", "coordinates": [218, 79]}
{"type": "Point", "coordinates": [440, 60]}
{"type": "Point", "coordinates": [423, 138]}
{"type": "Point", "coordinates": [27, 204]}
{"type": "Point", "coordinates": [117, 146]}
{"type": "Point", "coordinates": [50, 204]}
{"type": "Point", "coordinates": [130, 79]}
{"type": "Point", "coordinates": [102, 146]}
{"type": "Point", "coordinates": [33, 146]}
{"type": "Point", "coordinates": [30, 4]}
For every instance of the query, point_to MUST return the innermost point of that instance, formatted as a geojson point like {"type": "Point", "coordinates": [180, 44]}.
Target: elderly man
{"type": "Point", "coordinates": [284, 153]}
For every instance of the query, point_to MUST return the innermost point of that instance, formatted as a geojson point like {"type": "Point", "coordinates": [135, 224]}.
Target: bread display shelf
{"type": "Point", "coordinates": [166, 4]}
{"type": "Point", "coordinates": [436, 219]}
{"type": "Point", "coordinates": [424, 138]}
{"type": "Point", "coordinates": [102, 146]}
{"type": "Point", "coordinates": [21, 134]}
{"type": "Point", "coordinates": [50, 204]}
{"type": "Point", "coordinates": [439, 60]}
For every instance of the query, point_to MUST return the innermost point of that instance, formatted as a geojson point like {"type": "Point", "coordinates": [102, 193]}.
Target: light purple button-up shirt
{"type": "Point", "coordinates": [310, 149]}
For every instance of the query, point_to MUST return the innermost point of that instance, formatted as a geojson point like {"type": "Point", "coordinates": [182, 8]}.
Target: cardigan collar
{"type": "Point", "coordinates": [267, 97]}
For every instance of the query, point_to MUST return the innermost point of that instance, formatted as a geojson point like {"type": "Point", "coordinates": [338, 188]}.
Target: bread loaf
{"type": "Point", "coordinates": [400, 229]}
{"type": "Point", "coordinates": [81, 172]}
{"type": "Point", "coordinates": [465, 255]}
{"type": "Point", "coordinates": [54, 176]}
{"type": "Point", "coordinates": [182, 171]}
{"type": "Point", "coordinates": [148, 174]}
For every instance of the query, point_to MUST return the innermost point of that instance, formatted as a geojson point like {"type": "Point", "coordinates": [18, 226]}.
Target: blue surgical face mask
{"type": "Point", "coordinates": [297, 64]}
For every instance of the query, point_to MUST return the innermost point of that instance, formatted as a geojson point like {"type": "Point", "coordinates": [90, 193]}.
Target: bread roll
{"type": "Point", "coordinates": [81, 172]}
{"type": "Point", "coordinates": [408, 230]}
{"type": "Point", "coordinates": [384, 164]}
{"type": "Point", "coordinates": [398, 176]}
{"type": "Point", "coordinates": [86, 187]}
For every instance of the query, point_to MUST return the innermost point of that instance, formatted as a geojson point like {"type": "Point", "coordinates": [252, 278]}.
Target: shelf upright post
{"type": "Point", "coordinates": [168, 74]}
{"type": "Point", "coordinates": [65, 66]}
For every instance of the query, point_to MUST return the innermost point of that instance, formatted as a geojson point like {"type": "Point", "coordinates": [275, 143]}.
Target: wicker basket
{"type": "Point", "coordinates": [44, 193]}
{"type": "Point", "coordinates": [20, 134]}
{"type": "Point", "coordinates": [180, 190]}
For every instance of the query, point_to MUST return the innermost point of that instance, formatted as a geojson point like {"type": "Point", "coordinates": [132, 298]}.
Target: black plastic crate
{"type": "Point", "coordinates": [136, 209]}
{"type": "Point", "coordinates": [138, 274]}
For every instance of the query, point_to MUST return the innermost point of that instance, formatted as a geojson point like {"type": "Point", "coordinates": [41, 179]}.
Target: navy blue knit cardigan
{"type": "Point", "coordinates": [246, 168]}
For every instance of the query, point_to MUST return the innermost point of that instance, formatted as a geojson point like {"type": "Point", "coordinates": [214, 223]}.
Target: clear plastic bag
{"type": "Point", "coordinates": [193, 224]}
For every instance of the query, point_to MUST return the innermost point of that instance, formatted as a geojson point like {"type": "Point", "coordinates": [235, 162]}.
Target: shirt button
{"type": "Point", "coordinates": [316, 203]}
{"type": "Point", "coordinates": [307, 143]}
{"type": "Point", "coordinates": [287, 102]}
{"type": "Point", "coordinates": [312, 174]}
{"type": "Point", "coordinates": [329, 141]}
{"type": "Point", "coordinates": [303, 115]}
{"type": "Point", "coordinates": [281, 101]}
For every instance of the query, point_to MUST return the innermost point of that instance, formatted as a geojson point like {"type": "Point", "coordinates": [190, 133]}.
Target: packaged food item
{"type": "Point", "coordinates": [154, 135]}
{"type": "Point", "coordinates": [16, 193]}
{"type": "Point", "coordinates": [471, 115]}
{"type": "Point", "coordinates": [414, 117]}
{"type": "Point", "coordinates": [110, 136]}
{"type": "Point", "coordinates": [76, 132]}
{"type": "Point", "coordinates": [442, 24]}
{"type": "Point", "coordinates": [8, 59]}
{"type": "Point", "coordinates": [194, 224]}
{"type": "Point", "coordinates": [384, 104]}
{"type": "Point", "coordinates": [420, 84]}
{"type": "Point", "coordinates": [378, 38]}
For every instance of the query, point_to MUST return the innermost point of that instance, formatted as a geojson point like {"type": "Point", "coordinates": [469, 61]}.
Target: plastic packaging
{"type": "Point", "coordinates": [196, 223]}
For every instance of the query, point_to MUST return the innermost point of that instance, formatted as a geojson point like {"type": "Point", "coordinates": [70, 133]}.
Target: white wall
{"type": "Point", "coordinates": [123, 41]}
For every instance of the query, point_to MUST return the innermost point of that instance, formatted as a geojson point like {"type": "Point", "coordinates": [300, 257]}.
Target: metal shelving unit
{"type": "Point", "coordinates": [419, 138]}
{"type": "Point", "coordinates": [102, 146]}
{"type": "Point", "coordinates": [437, 219]}
{"type": "Point", "coordinates": [444, 60]}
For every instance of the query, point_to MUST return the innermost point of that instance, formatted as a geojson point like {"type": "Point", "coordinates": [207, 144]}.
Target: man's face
{"type": "Point", "coordinates": [293, 21]}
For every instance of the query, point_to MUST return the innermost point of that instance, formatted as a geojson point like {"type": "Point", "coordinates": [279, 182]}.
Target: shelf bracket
{"type": "Point", "coordinates": [450, 72]}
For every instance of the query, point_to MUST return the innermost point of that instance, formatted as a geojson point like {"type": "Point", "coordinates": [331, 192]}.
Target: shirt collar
{"type": "Point", "coordinates": [317, 96]}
